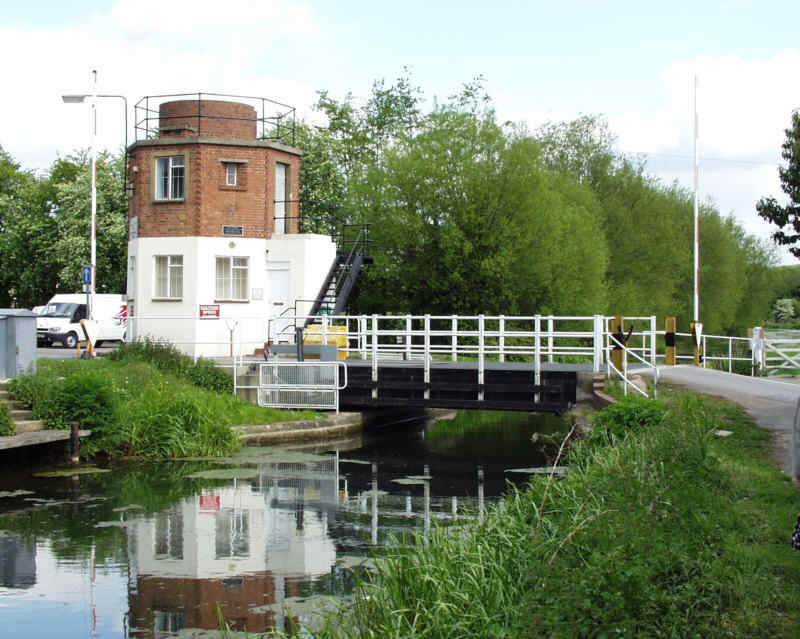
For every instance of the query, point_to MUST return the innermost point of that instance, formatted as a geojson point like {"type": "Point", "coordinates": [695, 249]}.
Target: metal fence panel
{"type": "Point", "coordinates": [299, 385]}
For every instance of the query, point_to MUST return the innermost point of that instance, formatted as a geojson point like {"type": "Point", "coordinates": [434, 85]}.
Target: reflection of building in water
{"type": "Point", "coordinates": [17, 561]}
{"type": "Point", "coordinates": [246, 546]}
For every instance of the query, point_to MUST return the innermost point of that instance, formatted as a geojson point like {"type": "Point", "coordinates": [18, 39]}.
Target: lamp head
{"type": "Point", "coordinates": [74, 99]}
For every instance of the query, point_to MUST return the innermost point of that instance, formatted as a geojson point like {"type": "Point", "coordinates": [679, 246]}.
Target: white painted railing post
{"type": "Point", "coordinates": [598, 343]}
{"type": "Point", "coordinates": [325, 330]}
{"type": "Point", "coordinates": [705, 351]}
{"type": "Point", "coordinates": [408, 337]}
{"type": "Point", "coordinates": [730, 355]}
{"type": "Point", "coordinates": [427, 356]}
{"type": "Point", "coordinates": [501, 340]}
{"type": "Point", "coordinates": [454, 338]}
{"type": "Point", "coordinates": [653, 328]}
{"type": "Point", "coordinates": [481, 353]}
{"type": "Point", "coordinates": [537, 354]}
{"type": "Point", "coordinates": [362, 336]}
{"type": "Point", "coordinates": [375, 356]}
{"type": "Point", "coordinates": [550, 339]}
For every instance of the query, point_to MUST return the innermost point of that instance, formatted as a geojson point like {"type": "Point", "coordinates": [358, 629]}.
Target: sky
{"type": "Point", "coordinates": [632, 63]}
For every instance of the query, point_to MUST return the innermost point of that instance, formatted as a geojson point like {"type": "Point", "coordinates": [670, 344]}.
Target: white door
{"type": "Point", "coordinates": [280, 198]}
{"type": "Point", "coordinates": [283, 326]}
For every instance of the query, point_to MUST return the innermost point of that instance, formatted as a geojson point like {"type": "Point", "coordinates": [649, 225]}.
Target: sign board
{"type": "Point", "coordinates": [209, 311]}
{"type": "Point", "coordinates": [698, 334]}
{"type": "Point", "coordinates": [86, 274]}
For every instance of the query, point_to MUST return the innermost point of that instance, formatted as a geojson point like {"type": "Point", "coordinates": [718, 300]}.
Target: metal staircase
{"type": "Point", "coordinates": [353, 244]}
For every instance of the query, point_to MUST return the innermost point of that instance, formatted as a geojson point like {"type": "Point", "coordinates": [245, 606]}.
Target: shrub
{"type": "Point", "coordinates": [630, 415]}
{"type": "Point", "coordinates": [7, 426]}
{"type": "Point", "coordinates": [167, 358]}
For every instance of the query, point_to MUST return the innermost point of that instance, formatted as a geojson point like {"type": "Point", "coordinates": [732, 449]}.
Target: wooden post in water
{"type": "Point", "coordinates": [669, 339]}
{"type": "Point", "coordinates": [617, 353]}
{"type": "Point", "coordinates": [74, 444]}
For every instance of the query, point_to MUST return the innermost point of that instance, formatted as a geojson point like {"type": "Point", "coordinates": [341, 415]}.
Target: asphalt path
{"type": "Point", "coordinates": [771, 402]}
{"type": "Point", "coordinates": [59, 352]}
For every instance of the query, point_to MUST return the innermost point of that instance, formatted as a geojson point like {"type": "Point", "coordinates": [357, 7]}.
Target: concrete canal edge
{"type": "Point", "coordinates": [325, 427]}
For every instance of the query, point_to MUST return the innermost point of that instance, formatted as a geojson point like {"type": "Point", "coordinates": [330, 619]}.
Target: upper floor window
{"type": "Point", "coordinates": [169, 276]}
{"type": "Point", "coordinates": [232, 278]}
{"type": "Point", "coordinates": [170, 178]}
{"type": "Point", "coordinates": [231, 174]}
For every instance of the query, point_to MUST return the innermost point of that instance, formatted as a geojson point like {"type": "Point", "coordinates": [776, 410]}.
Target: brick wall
{"type": "Point", "coordinates": [209, 203]}
{"type": "Point", "coordinates": [208, 118]}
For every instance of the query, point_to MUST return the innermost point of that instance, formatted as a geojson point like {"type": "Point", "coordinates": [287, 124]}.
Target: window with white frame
{"type": "Point", "coordinates": [170, 177]}
{"type": "Point", "coordinates": [169, 277]}
{"type": "Point", "coordinates": [232, 278]}
{"type": "Point", "coordinates": [231, 174]}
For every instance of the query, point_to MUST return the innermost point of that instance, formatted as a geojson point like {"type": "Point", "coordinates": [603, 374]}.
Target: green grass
{"type": "Point", "coordinates": [135, 408]}
{"type": "Point", "coordinates": [659, 530]}
{"type": "Point", "coordinates": [6, 423]}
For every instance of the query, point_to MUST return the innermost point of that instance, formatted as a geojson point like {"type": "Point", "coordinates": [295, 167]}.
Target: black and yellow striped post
{"type": "Point", "coordinates": [669, 339]}
{"type": "Point", "coordinates": [616, 350]}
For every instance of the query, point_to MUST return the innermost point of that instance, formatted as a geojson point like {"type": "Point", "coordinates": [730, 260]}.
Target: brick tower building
{"type": "Point", "coordinates": [214, 221]}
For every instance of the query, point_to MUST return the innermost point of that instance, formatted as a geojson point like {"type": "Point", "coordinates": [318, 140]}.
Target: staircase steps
{"type": "Point", "coordinates": [22, 418]}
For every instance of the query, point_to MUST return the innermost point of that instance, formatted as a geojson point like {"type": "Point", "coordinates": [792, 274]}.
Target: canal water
{"type": "Point", "coordinates": [158, 550]}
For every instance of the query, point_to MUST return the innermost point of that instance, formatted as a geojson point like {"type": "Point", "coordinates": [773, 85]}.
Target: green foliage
{"type": "Point", "coordinates": [629, 415]}
{"type": "Point", "coordinates": [670, 532]}
{"type": "Point", "coordinates": [783, 309]}
{"type": "Point", "coordinates": [167, 358]}
{"type": "Point", "coordinates": [787, 217]}
{"type": "Point", "coordinates": [7, 426]}
{"type": "Point", "coordinates": [133, 408]}
{"type": "Point", "coordinates": [45, 228]}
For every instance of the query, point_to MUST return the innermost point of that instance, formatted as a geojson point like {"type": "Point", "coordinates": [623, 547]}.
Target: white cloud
{"type": "Point", "coordinates": [237, 48]}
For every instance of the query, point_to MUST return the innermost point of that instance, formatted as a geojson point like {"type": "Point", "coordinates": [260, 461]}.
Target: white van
{"type": "Point", "coordinates": [59, 321]}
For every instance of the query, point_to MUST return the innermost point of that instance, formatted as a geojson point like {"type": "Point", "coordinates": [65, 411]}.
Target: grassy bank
{"type": "Point", "coordinates": [161, 407]}
{"type": "Point", "coordinates": [661, 529]}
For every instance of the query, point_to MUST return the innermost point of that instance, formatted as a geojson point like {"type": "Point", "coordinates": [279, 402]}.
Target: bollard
{"type": "Point", "coordinates": [669, 340]}
{"type": "Point", "coordinates": [74, 444]}
{"type": "Point", "coordinates": [618, 331]}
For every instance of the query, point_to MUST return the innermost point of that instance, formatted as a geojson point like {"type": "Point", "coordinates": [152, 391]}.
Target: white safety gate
{"type": "Point", "coordinates": [300, 385]}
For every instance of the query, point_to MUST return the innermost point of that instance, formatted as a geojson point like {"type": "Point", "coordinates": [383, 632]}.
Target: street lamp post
{"type": "Point", "coordinates": [92, 97]}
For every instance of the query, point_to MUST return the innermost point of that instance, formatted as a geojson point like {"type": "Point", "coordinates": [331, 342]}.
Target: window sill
{"type": "Point", "coordinates": [166, 299]}
{"type": "Point", "coordinates": [218, 301]}
{"type": "Point", "coordinates": [173, 201]}
{"type": "Point", "coordinates": [231, 187]}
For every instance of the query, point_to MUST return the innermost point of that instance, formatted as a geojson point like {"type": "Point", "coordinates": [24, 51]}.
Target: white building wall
{"type": "Point", "coordinates": [242, 326]}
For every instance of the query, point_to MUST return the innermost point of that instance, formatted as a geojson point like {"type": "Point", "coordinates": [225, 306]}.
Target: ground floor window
{"type": "Point", "coordinates": [232, 278]}
{"type": "Point", "coordinates": [169, 276]}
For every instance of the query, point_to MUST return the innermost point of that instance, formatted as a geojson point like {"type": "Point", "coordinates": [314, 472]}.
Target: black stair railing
{"type": "Point", "coordinates": [352, 253]}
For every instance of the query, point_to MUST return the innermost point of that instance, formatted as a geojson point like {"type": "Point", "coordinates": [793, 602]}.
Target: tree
{"type": "Point", "coordinates": [789, 215]}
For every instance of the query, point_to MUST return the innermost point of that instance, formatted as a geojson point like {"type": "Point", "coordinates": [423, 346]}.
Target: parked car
{"type": "Point", "coordinates": [59, 322]}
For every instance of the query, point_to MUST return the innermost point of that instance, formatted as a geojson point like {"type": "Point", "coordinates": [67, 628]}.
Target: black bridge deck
{"type": "Point", "coordinates": [507, 385]}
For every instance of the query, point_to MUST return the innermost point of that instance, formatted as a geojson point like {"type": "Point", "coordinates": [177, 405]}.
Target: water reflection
{"type": "Point", "coordinates": [282, 534]}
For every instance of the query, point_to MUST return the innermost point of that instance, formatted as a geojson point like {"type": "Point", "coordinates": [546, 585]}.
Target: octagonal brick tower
{"type": "Point", "coordinates": [213, 228]}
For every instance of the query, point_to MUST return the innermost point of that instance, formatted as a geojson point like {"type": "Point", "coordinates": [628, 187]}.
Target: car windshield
{"type": "Point", "coordinates": [59, 310]}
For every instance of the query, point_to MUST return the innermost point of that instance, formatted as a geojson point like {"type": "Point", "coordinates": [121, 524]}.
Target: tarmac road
{"type": "Point", "coordinates": [771, 402]}
{"type": "Point", "coordinates": [59, 352]}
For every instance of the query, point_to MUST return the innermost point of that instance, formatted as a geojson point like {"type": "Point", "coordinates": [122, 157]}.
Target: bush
{"type": "Point", "coordinates": [7, 426]}
{"type": "Point", "coordinates": [630, 415]}
{"type": "Point", "coordinates": [167, 358]}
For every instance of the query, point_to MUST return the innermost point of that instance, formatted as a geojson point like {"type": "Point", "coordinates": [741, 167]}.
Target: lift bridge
{"type": "Point", "coordinates": [532, 363]}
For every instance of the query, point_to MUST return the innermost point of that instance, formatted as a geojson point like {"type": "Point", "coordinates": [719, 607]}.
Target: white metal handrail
{"type": "Point", "coordinates": [624, 373]}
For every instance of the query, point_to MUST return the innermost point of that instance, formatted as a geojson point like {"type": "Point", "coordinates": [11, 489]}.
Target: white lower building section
{"type": "Point", "coordinates": [219, 296]}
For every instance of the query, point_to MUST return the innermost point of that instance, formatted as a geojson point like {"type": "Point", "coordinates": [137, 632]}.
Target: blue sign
{"type": "Point", "coordinates": [86, 274]}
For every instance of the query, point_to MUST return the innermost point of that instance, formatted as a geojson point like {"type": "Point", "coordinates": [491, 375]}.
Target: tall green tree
{"type": "Point", "coordinates": [788, 216]}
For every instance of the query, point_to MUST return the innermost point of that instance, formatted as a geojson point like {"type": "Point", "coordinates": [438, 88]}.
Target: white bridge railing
{"type": "Point", "coordinates": [537, 339]}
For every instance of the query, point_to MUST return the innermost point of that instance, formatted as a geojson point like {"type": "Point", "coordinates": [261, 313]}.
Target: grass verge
{"type": "Point", "coordinates": [662, 529]}
{"type": "Point", "coordinates": [135, 408]}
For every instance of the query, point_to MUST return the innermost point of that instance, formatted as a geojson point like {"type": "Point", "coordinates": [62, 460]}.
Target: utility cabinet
{"type": "Point", "coordinates": [17, 342]}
